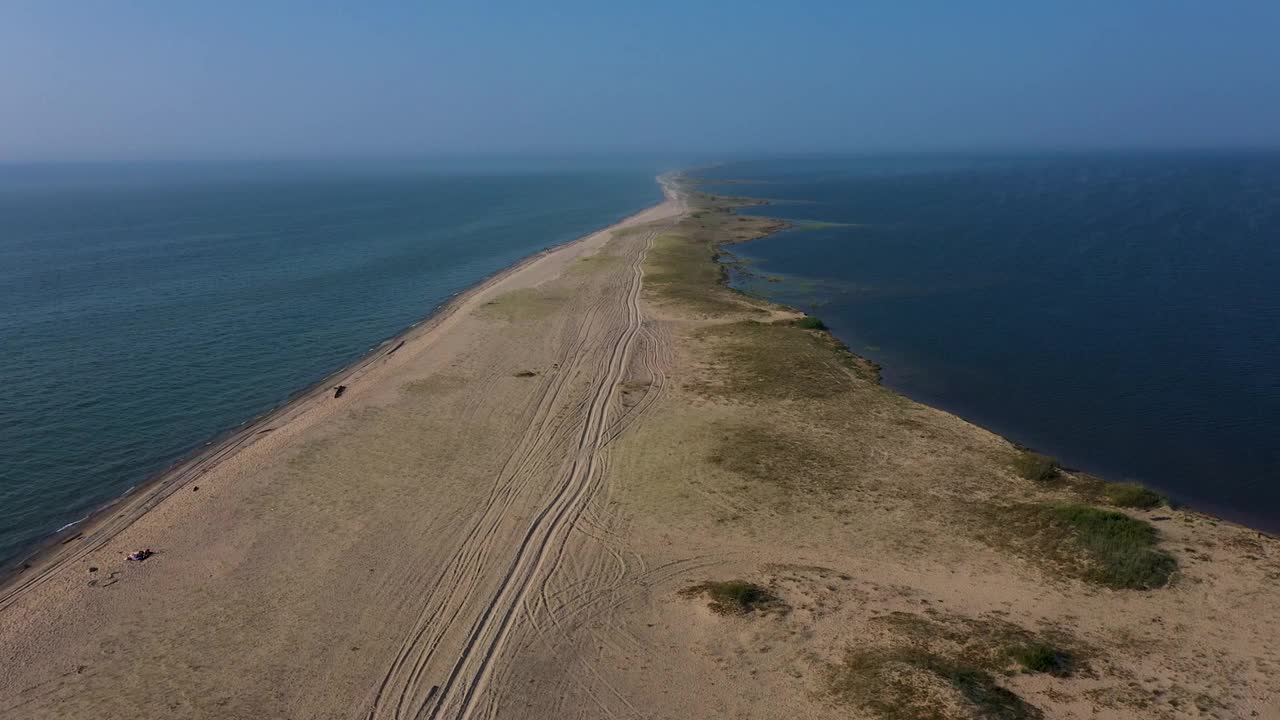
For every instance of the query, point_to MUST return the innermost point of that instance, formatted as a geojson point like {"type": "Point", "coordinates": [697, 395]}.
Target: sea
{"type": "Point", "coordinates": [1118, 311]}
{"type": "Point", "coordinates": [147, 308]}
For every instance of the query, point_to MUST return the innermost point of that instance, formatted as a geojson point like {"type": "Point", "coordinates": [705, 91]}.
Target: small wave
{"type": "Point", "coordinates": [72, 523]}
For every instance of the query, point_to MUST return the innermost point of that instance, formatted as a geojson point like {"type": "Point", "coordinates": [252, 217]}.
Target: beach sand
{"type": "Point", "coordinates": [517, 513]}
{"type": "Point", "coordinates": [367, 548]}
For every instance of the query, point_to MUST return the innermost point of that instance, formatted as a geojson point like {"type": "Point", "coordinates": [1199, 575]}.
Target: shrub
{"type": "Point", "coordinates": [734, 597]}
{"type": "Point", "coordinates": [1042, 657]}
{"type": "Point", "coordinates": [1132, 495]}
{"type": "Point", "coordinates": [1035, 467]}
{"type": "Point", "coordinates": [809, 322]}
{"type": "Point", "coordinates": [911, 684]}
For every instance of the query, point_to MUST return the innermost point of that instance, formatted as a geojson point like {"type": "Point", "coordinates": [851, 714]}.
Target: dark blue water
{"type": "Point", "coordinates": [1121, 312]}
{"type": "Point", "coordinates": [145, 309]}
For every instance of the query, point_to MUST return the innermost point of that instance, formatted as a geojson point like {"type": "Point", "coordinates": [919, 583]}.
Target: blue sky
{"type": "Point", "coordinates": [117, 79]}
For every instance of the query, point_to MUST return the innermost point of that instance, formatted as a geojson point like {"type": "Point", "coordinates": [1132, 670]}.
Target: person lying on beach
{"type": "Point", "coordinates": [140, 555]}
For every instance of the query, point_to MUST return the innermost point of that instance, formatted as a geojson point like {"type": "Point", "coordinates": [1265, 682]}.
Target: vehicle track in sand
{"type": "Point", "coordinates": [436, 673]}
{"type": "Point", "coordinates": [447, 577]}
{"type": "Point", "coordinates": [95, 532]}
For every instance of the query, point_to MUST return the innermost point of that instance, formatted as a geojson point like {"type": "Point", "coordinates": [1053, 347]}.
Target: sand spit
{"type": "Point", "coordinates": [603, 485]}
{"type": "Point", "coordinates": [336, 551]}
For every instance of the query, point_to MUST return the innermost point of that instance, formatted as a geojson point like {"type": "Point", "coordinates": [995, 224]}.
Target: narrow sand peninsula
{"type": "Point", "coordinates": [603, 485]}
{"type": "Point", "coordinates": [371, 555]}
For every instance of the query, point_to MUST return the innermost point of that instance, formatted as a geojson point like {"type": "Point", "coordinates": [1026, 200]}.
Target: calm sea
{"type": "Point", "coordinates": [1121, 312]}
{"type": "Point", "coordinates": [145, 309]}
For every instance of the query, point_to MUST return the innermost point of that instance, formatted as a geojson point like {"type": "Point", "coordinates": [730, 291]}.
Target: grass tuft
{"type": "Point", "coordinates": [1132, 495]}
{"type": "Point", "coordinates": [1101, 546]}
{"type": "Point", "coordinates": [911, 684]}
{"type": "Point", "coordinates": [1035, 467]}
{"type": "Point", "coordinates": [940, 666]}
{"type": "Point", "coordinates": [1124, 552]}
{"type": "Point", "coordinates": [1041, 657]}
{"type": "Point", "coordinates": [735, 597]}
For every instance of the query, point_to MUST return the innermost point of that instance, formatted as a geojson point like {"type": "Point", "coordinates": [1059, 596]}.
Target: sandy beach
{"type": "Point", "coordinates": [602, 485]}
{"type": "Point", "coordinates": [356, 532]}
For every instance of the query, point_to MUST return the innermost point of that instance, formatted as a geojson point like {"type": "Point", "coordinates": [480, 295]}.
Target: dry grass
{"type": "Point", "coordinates": [524, 305]}
{"type": "Point", "coordinates": [600, 262]}
{"type": "Point", "coordinates": [909, 680]}
{"type": "Point", "coordinates": [786, 457]}
{"type": "Point", "coordinates": [990, 643]}
{"type": "Point", "coordinates": [913, 685]}
{"type": "Point", "coordinates": [946, 667]}
{"type": "Point", "coordinates": [799, 364]}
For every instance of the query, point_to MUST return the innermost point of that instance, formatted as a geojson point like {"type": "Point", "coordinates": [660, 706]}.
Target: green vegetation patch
{"type": "Point", "coordinates": [1132, 495]}
{"type": "Point", "coordinates": [593, 263]}
{"type": "Point", "coordinates": [1035, 467]}
{"type": "Point", "coordinates": [1100, 546]}
{"type": "Point", "coordinates": [912, 684]}
{"type": "Point", "coordinates": [1124, 552]}
{"type": "Point", "coordinates": [735, 597]}
{"type": "Point", "coordinates": [682, 270]}
{"type": "Point", "coordinates": [524, 305]}
{"type": "Point", "coordinates": [798, 364]}
{"type": "Point", "coordinates": [1096, 491]}
{"type": "Point", "coordinates": [791, 460]}
{"type": "Point", "coordinates": [989, 643]}
{"type": "Point", "coordinates": [683, 264]}
{"type": "Point", "coordinates": [808, 322]}
{"type": "Point", "coordinates": [1042, 657]}
{"type": "Point", "coordinates": [940, 666]}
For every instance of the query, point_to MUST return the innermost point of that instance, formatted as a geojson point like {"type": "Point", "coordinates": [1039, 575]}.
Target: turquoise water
{"type": "Point", "coordinates": [145, 309]}
{"type": "Point", "coordinates": [1121, 312]}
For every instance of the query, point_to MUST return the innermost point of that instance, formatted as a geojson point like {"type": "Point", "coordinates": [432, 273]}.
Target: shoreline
{"type": "Point", "coordinates": [1199, 508]}
{"type": "Point", "coordinates": [914, 506]}
{"type": "Point", "coordinates": [43, 557]}
{"type": "Point", "coordinates": [375, 551]}
{"type": "Point", "coordinates": [609, 485]}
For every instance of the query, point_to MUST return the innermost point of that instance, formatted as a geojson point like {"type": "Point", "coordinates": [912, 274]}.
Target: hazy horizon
{"type": "Point", "coordinates": [97, 81]}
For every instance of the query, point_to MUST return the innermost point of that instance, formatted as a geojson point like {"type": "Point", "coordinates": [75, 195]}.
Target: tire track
{"type": "Point", "coordinates": [490, 633]}
{"type": "Point", "coordinates": [460, 576]}
{"type": "Point", "coordinates": [578, 431]}
{"type": "Point", "coordinates": [106, 523]}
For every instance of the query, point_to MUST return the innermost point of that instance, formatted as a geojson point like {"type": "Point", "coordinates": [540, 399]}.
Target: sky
{"type": "Point", "coordinates": [126, 79]}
